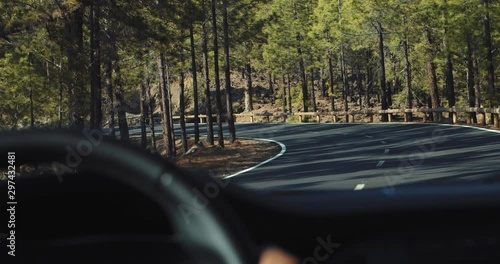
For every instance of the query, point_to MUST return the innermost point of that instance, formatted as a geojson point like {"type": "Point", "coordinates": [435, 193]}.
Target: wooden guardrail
{"type": "Point", "coordinates": [407, 114]}
{"type": "Point", "coordinates": [370, 113]}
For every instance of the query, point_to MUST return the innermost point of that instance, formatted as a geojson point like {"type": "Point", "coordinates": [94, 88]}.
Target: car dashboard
{"type": "Point", "coordinates": [97, 220]}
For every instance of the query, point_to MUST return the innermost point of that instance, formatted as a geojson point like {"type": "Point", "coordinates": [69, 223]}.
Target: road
{"type": "Point", "coordinates": [384, 156]}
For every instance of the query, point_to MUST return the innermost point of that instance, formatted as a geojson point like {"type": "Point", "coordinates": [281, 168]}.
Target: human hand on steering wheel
{"type": "Point", "coordinates": [277, 256]}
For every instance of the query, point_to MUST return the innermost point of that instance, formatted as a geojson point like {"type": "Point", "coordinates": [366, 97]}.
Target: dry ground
{"type": "Point", "coordinates": [219, 162]}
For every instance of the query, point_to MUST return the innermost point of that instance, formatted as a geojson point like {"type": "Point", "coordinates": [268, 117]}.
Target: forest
{"type": "Point", "coordinates": [89, 63]}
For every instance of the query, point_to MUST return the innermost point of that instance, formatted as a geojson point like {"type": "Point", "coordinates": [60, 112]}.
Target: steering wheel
{"type": "Point", "coordinates": [212, 234]}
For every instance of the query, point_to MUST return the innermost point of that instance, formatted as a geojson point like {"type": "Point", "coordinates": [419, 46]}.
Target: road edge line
{"type": "Point", "coordinates": [466, 126]}
{"type": "Point", "coordinates": [436, 124]}
{"type": "Point", "coordinates": [283, 150]}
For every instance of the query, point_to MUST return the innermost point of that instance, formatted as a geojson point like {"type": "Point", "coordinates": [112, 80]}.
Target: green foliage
{"type": "Point", "coordinates": [270, 35]}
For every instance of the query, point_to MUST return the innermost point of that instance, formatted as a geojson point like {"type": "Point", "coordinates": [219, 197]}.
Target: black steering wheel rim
{"type": "Point", "coordinates": [210, 229]}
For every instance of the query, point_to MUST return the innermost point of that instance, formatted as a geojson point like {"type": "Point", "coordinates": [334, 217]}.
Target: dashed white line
{"type": "Point", "coordinates": [368, 136]}
{"type": "Point", "coordinates": [387, 151]}
{"type": "Point", "coordinates": [383, 141]}
{"type": "Point", "coordinates": [359, 187]}
{"type": "Point", "coordinates": [380, 163]}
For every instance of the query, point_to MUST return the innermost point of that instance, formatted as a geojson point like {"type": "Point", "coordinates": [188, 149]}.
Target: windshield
{"type": "Point", "coordinates": [270, 95]}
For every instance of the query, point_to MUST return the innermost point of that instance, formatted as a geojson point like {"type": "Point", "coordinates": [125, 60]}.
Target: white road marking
{"type": "Point", "coordinates": [478, 128]}
{"type": "Point", "coordinates": [435, 124]}
{"type": "Point", "coordinates": [283, 150]}
{"type": "Point", "coordinates": [380, 163]}
{"type": "Point", "coordinates": [359, 187]}
{"type": "Point", "coordinates": [368, 136]}
{"type": "Point", "coordinates": [383, 142]}
{"type": "Point", "coordinates": [387, 151]}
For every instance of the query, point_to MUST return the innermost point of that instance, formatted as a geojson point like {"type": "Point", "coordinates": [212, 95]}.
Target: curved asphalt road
{"type": "Point", "coordinates": [364, 156]}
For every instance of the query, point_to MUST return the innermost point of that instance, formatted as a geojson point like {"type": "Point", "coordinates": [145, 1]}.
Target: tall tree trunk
{"type": "Point", "coordinates": [369, 86]}
{"type": "Point", "coordinates": [195, 85]}
{"type": "Point", "coordinates": [471, 95]}
{"type": "Point", "coordinates": [332, 81]}
{"type": "Point", "coordinates": [95, 68]}
{"type": "Point", "coordinates": [344, 82]}
{"type": "Point", "coordinates": [431, 74]}
{"type": "Point", "coordinates": [303, 80]}
{"type": "Point", "coordinates": [491, 91]}
{"type": "Point", "coordinates": [449, 89]}
{"type": "Point", "coordinates": [283, 95]}
{"type": "Point", "coordinates": [313, 95]}
{"type": "Point", "coordinates": [477, 84]}
{"type": "Point", "coordinates": [409, 98]}
{"type": "Point", "coordinates": [450, 83]}
{"type": "Point", "coordinates": [182, 113]}
{"type": "Point", "coordinates": [227, 73]}
{"type": "Point", "coordinates": [144, 115]}
{"type": "Point", "coordinates": [165, 106]}
{"type": "Point", "coordinates": [323, 81]}
{"type": "Point", "coordinates": [122, 117]}
{"type": "Point", "coordinates": [248, 90]}
{"type": "Point", "coordinates": [289, 84]}
{"type": "Point", "coordinates": [218, 98]}
{"type": "Point", "coordinates": [32, 115]}
{"type": "Point", "coordinates": [392, 88]}
{"type": "Point", "coordinates": [210, 125]}
{"type": "Point", "coordinates": [73, 37]}
{"type": "Point", "coordinates": [60, 101]}
{"type": "Point", "coordinates": [270, 82]}
{"type": "Point", "coordinates": [110, 55]}
{"type": "Point", "coordinates": [302, 69]}
{"type": "Point", "coordinates": [151, 108]}
{"type": "Point", "coordinates": [108, 77]}
{"type": "Point", "coordinates": [383, 82]}
{"type": "Point", "coordinates": [166, 98]}
{"type": "Point", "coordinates": [449, 79]}
{"type": "Point", "coordinates": [46, 80]}
{"type": "Point", "coordinates": [359, 85]}
{"type": "Point", "coordinates": [92, 71]}
{"type": "Point", "coordinates": [368, 79]}
{"type": "Point", "coordinates": [389, 93]}
{"type": "Point", "coordinates": [168, 84]}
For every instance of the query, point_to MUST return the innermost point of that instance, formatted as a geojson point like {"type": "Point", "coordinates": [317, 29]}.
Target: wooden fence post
{"type": "Point", "coordinates": [455, 117]}
{"type": "Point", "coordinates": [496, 123]}
{"type": "Point", "coordinates": [318, 118]}
{"type": "Point", "coordinates": [300, 118]}
{"type": "Point", "coordinates": [469, 119]}
{"type": "Point", "coordinates": [390, 117]}
{"type": "Point", "coordinates": [334, 118]}
{"type": "Point", "coordinates": [251, 118]}
{"type": "Point", "coordinates": [483, 120]}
